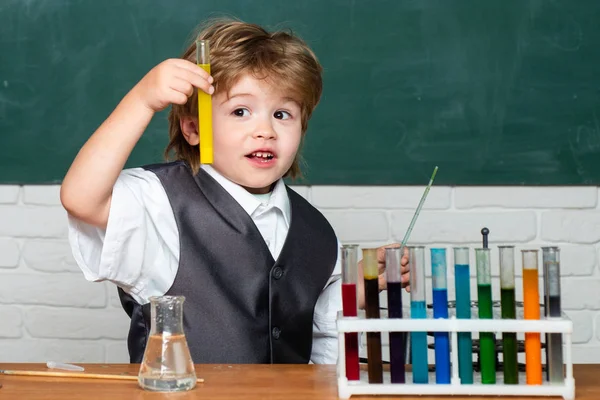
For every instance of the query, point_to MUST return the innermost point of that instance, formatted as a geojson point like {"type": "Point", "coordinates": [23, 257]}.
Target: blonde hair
{"type": "Point", "coordinates": [238, 48]}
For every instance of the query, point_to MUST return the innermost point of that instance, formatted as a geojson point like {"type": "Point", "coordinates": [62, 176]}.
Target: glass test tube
{"type": "Point", "coordinates": [349, 307]}
{"type": "Point", "coordinates": [487, 340]}
{"type": "Point", "coordinates": [371, 273]}
{"type": "Point", "coordinates": [418, 340]}
{"type": "Point", "coordinates": [394, 295]}
{"type": "Point", "coordinates": [440, 310]}
{"type": "Point", "coordinates": [462, 283]}
{"type": "Point", "coordinates": [531, 305]}
{"type": "Point", "coordinates": [554, 355]}
{"type": "Point", "coordinates": [204, 106]}
{"type": "Point", "coordinates": [508, 311]}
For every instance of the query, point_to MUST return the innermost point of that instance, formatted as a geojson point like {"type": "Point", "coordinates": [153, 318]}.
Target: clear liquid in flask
{"type": "Point", "coordinates": [167, 364]}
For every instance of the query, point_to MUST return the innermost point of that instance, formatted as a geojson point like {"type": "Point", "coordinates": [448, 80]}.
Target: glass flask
{"type": "Point", "coordinates": [167, 365]}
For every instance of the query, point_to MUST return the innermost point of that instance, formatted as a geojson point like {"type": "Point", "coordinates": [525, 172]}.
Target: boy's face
{"type": "Point", "coordinates": [256, 133]}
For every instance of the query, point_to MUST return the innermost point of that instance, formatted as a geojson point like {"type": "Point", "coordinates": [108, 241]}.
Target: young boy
{"type": "Point", "coordinates": [258, 265]}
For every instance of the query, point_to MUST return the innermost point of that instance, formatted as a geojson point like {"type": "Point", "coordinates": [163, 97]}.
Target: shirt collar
{"type": "Point", "coordinates": [279, 197]}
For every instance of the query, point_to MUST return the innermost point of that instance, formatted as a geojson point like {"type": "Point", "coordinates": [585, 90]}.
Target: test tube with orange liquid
{"type": "Point", "coordinates": [531, 305]}
{"type": "Point", "coordinates": [204, 106]}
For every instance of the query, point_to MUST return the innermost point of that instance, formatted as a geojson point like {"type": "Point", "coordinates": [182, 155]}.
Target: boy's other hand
{"type": "Point", "coordinates": [172, 82]}
{"type": "Point", "coordinates": [403, 263]}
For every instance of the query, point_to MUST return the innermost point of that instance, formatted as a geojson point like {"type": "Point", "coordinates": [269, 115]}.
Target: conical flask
{"type": "Point", "coordinates": [167, 365]}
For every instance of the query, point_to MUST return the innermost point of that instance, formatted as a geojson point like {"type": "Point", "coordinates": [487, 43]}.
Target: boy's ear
{"type": "Point", "coordinates": [189, 127]}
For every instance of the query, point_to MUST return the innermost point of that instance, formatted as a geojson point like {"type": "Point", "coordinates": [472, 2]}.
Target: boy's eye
{"type": "Point", "coordinates": [282, 115]}
{"type": "Point", "coordinates": [241, 112]}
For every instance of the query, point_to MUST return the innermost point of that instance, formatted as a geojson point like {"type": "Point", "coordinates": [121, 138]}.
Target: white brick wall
{"type": "Point", "coordinates": [48, 311]}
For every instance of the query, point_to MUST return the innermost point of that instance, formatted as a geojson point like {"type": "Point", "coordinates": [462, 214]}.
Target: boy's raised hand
{"type": "Point", "coordinates": [381, 272]}
{"type": "Point", "coordinates": [403, 263]}
{"type": "Point", "coordinates": [172, 82]}
{"type": "Point", "coordinates": [86, 191]}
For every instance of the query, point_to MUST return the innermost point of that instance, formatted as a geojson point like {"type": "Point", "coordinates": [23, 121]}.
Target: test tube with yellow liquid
{"type": "Point", "coordinates": [204, 106]}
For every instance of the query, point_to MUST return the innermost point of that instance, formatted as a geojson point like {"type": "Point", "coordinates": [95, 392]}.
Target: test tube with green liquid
{"type": "Point", "coordinates": [554, 355]}
{"type": "Point", "coordinates": [371, 274]}
{"type": "Point", "coordinates": [487, 342]}
{"type": "Point", "coordinates": [462, 283]}
{"type": "Point", "coordinates": [508, 311]}
{"type": "Point", "coordinates": [418, 340]}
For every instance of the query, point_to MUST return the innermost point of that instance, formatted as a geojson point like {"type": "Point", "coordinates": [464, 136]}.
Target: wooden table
{"type": "Point", "coordinates": [224, 382]}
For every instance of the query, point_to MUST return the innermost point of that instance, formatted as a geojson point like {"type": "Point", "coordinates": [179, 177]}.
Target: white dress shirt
{"type": "Point", "coordinates": [139, 250]}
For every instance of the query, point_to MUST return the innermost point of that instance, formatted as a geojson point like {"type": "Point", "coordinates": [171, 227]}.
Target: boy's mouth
{"type": "Point", "coordinates": [263, 155]}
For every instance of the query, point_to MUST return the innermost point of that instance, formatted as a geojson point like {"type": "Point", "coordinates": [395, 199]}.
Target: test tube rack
{"type": "Point", "coordinates": [452, 325]}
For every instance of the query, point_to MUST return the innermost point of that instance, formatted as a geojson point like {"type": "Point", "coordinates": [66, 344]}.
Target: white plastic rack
{"type": "Point", "coordinates": [452, 325]}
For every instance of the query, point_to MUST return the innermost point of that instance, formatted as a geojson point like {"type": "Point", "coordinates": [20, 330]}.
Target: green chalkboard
{"type": "Point", "coordinates": [494, 92]}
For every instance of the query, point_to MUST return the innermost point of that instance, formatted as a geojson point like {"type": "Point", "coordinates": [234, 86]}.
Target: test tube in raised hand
{"type": "Point", "coordinates": [487, 341]}
{"type": "Point", "coordinates": [349, 307]}
{"type": "Point", "coordinates": [418, 340]}
{"type": "Point", "coordinates": [440, 310]}
{"type": "Point", "coordinates": [462, 283]}
{"type": "Point", "coordinates": [371, 274]}
{"type": "Point", "coordinates": [531, 308]}
{"type": "Point", "coordinates": [508, 311]}
{"type": "Point", "coordinates": [204, 106]}
{"type": "Point", "coordinates": [394, 296]}
{"type": "Point", "coordinates": [554, 355]}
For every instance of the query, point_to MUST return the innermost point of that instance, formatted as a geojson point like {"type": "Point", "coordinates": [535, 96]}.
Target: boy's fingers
{"type": "Point", "coordinates": [381, 250]}
{"type": "Point", "coordinates": [381, 257]}
{"type": "Point", "coordinates": [182, 86]}
{"type": "Point", "coordinates": [197, 81]}
{"type": "Point", "coordinates": [176, 97]}
{"type": "Point", "coordinates": [193, 68]}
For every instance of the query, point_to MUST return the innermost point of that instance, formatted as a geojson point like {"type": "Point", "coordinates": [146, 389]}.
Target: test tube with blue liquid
{"type": "Point", "coordinates": [440, 310]}
{"type": "Point", "coordinates": [462, 283]}
{"type": "Point", "coordinates": [394, 296]}
{"type": "Point", "coordinates": [418, 340]}
{"type": "Point", "coordinates": [487, 340]}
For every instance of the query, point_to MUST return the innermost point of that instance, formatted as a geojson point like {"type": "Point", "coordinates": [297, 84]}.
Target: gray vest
{"type": "Point", "coordinates": [242, 306]}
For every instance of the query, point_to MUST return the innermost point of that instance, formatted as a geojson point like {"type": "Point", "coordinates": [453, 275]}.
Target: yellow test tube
{"type": "Point", "coordinates": [204, 106]}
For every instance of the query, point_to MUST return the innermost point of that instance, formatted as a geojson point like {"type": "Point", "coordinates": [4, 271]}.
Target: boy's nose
{"type": "Point", "coordinates": [265, 131]}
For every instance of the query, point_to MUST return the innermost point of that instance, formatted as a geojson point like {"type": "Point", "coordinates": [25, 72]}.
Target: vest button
{"type": "Point", "coordinates": [276, 332]}
{"type": "Point", "coordinates": [277, 272]}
